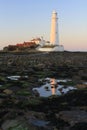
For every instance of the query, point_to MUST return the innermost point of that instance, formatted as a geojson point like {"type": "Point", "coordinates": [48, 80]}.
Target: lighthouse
{"type": "Point", "coordinates": [53, 45]}
{"type": "Point", "coordinates": [54, 38]}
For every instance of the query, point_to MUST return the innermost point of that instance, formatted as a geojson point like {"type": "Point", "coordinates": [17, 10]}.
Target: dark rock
{"type": "Point", "coordinates": [73, 117]}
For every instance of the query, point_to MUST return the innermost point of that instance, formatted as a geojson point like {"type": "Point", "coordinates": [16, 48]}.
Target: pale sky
{"type": "Point", "coordinates": [22, 20]}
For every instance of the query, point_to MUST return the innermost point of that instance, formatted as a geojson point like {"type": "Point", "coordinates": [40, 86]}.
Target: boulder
{"type": "Point", "coordinates": [8, 91]}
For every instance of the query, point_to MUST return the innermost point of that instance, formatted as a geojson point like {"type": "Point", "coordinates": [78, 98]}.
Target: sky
{"type": "Point", "coordinates": [22, 20]}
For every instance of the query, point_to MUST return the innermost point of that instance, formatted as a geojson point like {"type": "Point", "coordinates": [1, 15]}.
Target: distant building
{"type": "Point", "coordinates": [36, 40]}
{"type": "Point", "coordinates": [25, 44]}
{"type": "Point", "coordinates": [20, 46]}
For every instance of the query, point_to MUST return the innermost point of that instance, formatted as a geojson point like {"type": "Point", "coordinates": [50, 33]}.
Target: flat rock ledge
{"type": "Point", "coordinates": [73, 117]}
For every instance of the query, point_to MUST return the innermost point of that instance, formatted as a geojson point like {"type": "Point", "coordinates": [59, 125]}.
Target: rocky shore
{"type": "Point", "coordinates": [22, 109]}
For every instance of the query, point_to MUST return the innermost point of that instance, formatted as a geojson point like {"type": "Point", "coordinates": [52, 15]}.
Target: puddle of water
{"type": "Point", "coordinates": [16, 77]}
{"type": "Point", "coordinates": [63, 80]}
{"type": "Point", "coordinates": [40, 123]}
{"type": "Point", "coordinates": [13, 77]}
{"type": "Point", "coordinates": [85, 83]}
{"type": "Point", "coordinates": [51, 87]}
{"type": "Point", "coordinates": [57, 80]}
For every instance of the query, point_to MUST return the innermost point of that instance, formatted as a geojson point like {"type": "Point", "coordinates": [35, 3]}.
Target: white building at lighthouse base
{"type": "Point", "coordinates": [59, 48]}
{"type": "Point", "coordinates": [48, 47]}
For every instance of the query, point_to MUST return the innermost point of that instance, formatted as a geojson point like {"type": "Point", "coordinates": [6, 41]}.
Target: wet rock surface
{"type": "Point", "coordinates": [23, 109]}
{"type": "Point", "coordinates": [73, 117]}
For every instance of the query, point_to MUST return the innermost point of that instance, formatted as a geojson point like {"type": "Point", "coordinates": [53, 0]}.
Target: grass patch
{"type": "Point", "coordinates": [18, 127]}
{"type": "Point", "coordinates": [68, 83]}
{"type": "Point", "coordinates": [23, 93]}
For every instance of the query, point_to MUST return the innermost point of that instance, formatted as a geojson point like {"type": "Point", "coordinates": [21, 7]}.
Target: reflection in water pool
{"type": "Point", "coordinates": [52, 87]}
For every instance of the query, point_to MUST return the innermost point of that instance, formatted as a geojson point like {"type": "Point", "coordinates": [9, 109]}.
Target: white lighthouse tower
{"type": "Point", "coordinates": [53, 45]}
{"type": "Point", "coordinates": [54, 38]}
